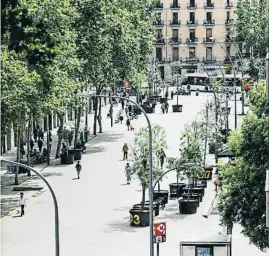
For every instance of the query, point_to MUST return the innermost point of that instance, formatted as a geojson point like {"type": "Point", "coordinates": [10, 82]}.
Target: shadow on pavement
{"type": "Point", "coordinates": [120, 226]}
{"type": "Point", "coordinates": [174, 216]}
{"type": "Point", "coordinates": [108, 137]}
{"type": "Point", "coordinates": [93, 150]}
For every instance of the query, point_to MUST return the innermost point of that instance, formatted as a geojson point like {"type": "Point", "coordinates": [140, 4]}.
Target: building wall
{"type": "Point", "coordinates": [219, 29]}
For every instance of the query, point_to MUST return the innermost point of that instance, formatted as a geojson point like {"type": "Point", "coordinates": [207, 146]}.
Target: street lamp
{"type": "Point", "coordinates": [150, 177]}
{"type": "Point", "coordinates": [234, 83]}
{"type": "Point", "coordinates": [56, 211]}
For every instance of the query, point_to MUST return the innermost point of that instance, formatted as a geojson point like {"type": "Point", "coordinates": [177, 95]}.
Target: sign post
{"type": "Point", "coordinates": [159, 231]}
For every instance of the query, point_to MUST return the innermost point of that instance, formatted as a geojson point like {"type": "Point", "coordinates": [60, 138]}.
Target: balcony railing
{"type": "Point", "coordinates": [159, 6]}
{"type": "Point", "coordinates": [192, 40]}
{"type": "Point", "coordinates": [229, 22]}
{"type": "Point", "coordinates": [229, 5]}
{"type": "Point", "coordinates": [208, 40]}
{"type": "Point", "coordinates": [227, 59]}
{"type": "Point", "coordinates": [192, 59]}
{"type": "Point", "coordinates": [208, 60]}
{"type": "Point", "coordinates": [192, 22]}
{"type": "Point", "coordinates": [209, 22]}
{"type": "Point", "coordinates": [209, 5]}
{"type": "Point", "coordinates": [175, 22]}
{"type": "Point", "coordinates": [158, 22]}
{"type": "Point", "coordinates": [175, 6]}
{"type": "Point", "coordinates": [192, 6]}
{"type": "Point", "coordinates": [175, 40]}
{"type": "Point", "coordinates": [159, 40]}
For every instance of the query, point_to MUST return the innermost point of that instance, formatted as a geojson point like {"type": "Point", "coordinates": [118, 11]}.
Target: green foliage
{"type": "Point", "coordinates": [140, 153]}
{"type": "Point", "coordinates": [243, 198]}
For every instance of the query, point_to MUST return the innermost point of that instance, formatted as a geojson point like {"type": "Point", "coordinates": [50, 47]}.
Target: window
{"type": "Point", "coordinates": [209, 53]}
{"type": "Point", "coordinates": [159, 17]}
{"type": "Point", "coordinates": [175, 54]}
{"type": "Point", "coordinates": [192, 33]}
{"type": "Point", "coordinates": [209, 16]}
{"type": "Point", "coordinates": [175, 17]}
{"type": "Point", "coordinates": [228, 2]}
{"type": "Point", "coordinates": [192, 53]}
{"type": "Point", "coordinates": [208, 2]}
{"type": "Point", "coordinates": [192, 2]}
{"type": "Point", "coordinates": [159, 54]}
{"type": "Point", "coordinates": [208, 33]}
{"type": "Point", "coordinates": [192, 17]}
{"type": "Point", "coordinates": [175, 35]}
{"type": "Point", "coordinates": [175, 2]}
{"type": "Point", "coordinates": [228, 15]}
{"type": "Point", "coordinates": [159, 33]}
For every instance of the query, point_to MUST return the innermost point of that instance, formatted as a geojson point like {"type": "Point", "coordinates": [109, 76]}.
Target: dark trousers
{"type": "Point", "coordinates": [125, 155]}
{"type": "Point", "coordinates": [40, 149]}
{"type": "Point", "coordinates": [22, 210]}
{"type": "Point", "coordinates": [162, 162]}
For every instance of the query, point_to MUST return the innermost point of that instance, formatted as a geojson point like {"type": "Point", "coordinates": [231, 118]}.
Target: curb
{"type": "Point", "coordinates": [43, 189]}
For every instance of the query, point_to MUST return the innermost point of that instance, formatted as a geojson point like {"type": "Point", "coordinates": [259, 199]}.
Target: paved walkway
{"type": "Point", "coordinates": [94, 216]}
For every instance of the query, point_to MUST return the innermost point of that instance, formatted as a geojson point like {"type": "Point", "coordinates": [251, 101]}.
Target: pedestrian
{"type": "Point", "coordinates": [35, 132]}
{"type": "Point", "coordinates": [40, 144]}
{"type": "Point", "coordinates": [64, 148]}
{"type": "Point", "coordinates": [50, 140]}
{"type": "Point", "coordinates": [128, 123]}
{"type": "Point", "coordinates": [162, 156]}
{"type": "Point", "coordinates": [166, 94]}
{"type": "Point", "coordinates": [166, 107]}
{"type": "Point", "coordinates": [172, 95]}
{"type": "Point", "coordinates": [216, 179]}
{"type": "Point", "coordinates": [32, 144]}
{"type": "Point", "coordinates": [125, 150]}
{"type": "Point", "coordinates": [131, 127]}
{"type": "Point", "coordinates": [78, 168]}
{"type": "Point", "coordinates": [122, 104]}
{"type": "Point", "coordinates": [121, 118]}
{"type": "Point", "coordinates": [22, 203]}
{"type": "Point", "coordinates": [41, 134]}
{"type": "Point", "coordinates": [128, 171]}
{"type": "Point", "coordinates": [163, 108]}
{"type": "Point", "coordinates": [130, 108]}
{"type": "Point", "coordinates": [22, 151]}
{"type": "Point", "coordinates": [126, 111]}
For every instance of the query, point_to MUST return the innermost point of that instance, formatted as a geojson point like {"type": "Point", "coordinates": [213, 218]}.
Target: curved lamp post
{"type": "Point", "coordinates": [234, 83]}
{"type": "Point", "coordinates": [150, 177]}
{"type": "Point", "coordinates": [56, 211]}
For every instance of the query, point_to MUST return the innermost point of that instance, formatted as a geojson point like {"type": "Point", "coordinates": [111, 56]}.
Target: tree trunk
{"type": "Point", "coordinates": [143, 198]}
{"type": "Point", "coordinates": [28, 147]}
{"type": "Point", "coordinates": [59, 136]}
{"type": "Point", "coordinates": [100, 115]}
{"type": "Point", "coordinates": [77, 126]}
{"type": "Point", "coordinates": [95, 105]}
{"type": "Point", "coordinates": [16, 182]}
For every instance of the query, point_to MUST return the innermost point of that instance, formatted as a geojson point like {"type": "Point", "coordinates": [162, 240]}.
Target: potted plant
{"type": "Point", "coordinates": [139, 214]}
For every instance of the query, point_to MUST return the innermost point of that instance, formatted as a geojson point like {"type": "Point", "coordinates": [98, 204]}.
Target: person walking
{"type": "Point", "coordinates": [125, 150]}
{"type": "Point", "coordinates": [166, 107]}
{"type": "Point", "coordinates": [22, 203]}
{"type": "Point", "coordinates": [216, 179]}
{"type": "Point", "coordinates": [32, 144]}
{"type": "Point", "coordinates": [162, 156]}
{"type": "Point", "coordinates": [78, 168]}
{"type": "Point", "coordinates": [172, 95]}
{"type": "Point", "coordinates": [40, 144]}
{"type": "Point", "coordinates": [41, 134]}
{"type": "Point", "coordinates": [128, 123]}
{"type": "Point", "coordinates": [35, 132]}
{"type": "Point", "coordinates": [122, 104]}
{"type": "Point", "coordinates": [128, 170]}
{"type": "Point", "coordinates": [163, 108]}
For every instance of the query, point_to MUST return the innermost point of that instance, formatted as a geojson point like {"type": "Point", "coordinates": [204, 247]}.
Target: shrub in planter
{"type": "Point", "coordinates": [193, 196]}
{"type": "Point", "coordinates": [140, 168]}
{"type": "Point", "coordinates": [188, 206]}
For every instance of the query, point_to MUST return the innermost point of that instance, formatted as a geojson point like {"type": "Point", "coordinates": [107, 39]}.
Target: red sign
{"type": "Point", "coordinates": [159, 230]}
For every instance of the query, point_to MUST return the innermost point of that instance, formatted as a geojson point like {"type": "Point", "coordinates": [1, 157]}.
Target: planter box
{"type": "Point", "coordinates": [137, 111]}
{"type": "Point", "coordinates": [77, 153]}
{"type": "Point", "coordinates": [176, 190]}
{"type": "Point", "coordinates": [188, 206]}
{"type": "Point", "coordinates": [192, 196]}
{"type": "Point", "coordinates": [195, 190]}
{"type": "Point", "coordinates": [139, 218]}
{"type": "Point", "coordinates": [224, 131]}
{"type": "Point", "coordinates": [177, 108]}
{"type": "Point", "coordinates": [161, 194]}
{"type": "Point", "coordinates": [156, 207]}
{"type": "Point", "coordinates": [67, 159]}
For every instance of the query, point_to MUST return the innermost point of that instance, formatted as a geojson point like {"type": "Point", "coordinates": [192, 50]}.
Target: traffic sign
{"type": "Point", "coordinates": [159, 230]}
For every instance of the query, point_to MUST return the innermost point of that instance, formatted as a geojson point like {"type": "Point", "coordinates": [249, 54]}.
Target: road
{"type": "Point", "coordinates": [94, 210]}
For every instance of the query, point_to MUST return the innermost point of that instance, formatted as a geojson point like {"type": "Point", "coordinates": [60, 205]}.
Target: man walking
{"type": "Point", "coordinates": [22, 203]}
{"type": "Point", "coordinates": [78, 168]}
{"type": "Point", "coordinates": [162, 157]}
{"type": "Point", "coordinates": [128, 170]}
{"type": "Point", "coordinates": [125, 151]}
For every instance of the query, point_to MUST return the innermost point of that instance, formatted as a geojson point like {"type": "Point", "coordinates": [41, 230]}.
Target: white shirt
{"type": "Point", "coordinates": [22, 201]}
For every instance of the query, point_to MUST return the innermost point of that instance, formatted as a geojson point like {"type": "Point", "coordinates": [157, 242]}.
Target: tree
{"type": "Point", "coordinates": [242, 199]}
{"type": "Point", "coordinates": [140, 156]}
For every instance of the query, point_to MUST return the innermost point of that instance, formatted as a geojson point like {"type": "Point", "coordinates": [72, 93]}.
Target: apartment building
{"type": "Point", "coordinates": [188, 30]}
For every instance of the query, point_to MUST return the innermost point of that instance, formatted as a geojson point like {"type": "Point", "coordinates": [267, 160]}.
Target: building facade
{"type": "Point", "coordinates": [189, 32]}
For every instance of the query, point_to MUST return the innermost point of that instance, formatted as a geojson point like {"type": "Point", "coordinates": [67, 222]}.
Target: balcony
{"type": "Point", "coordinates": [209, 22]}
{"type": "Point", "coordinates": [192, 23]}
{"type": "Point", "coordinates": [159, 40]}
{"type": "Point", "coordinates": [159, 6]}
{"type": "Point", "coordinates": [175, 40]}
{"type": "Point", "coordinates": [229, 5]}
{"type": "Point", "coordinates": [192, 6]}
{"type": "Point", "coordinates": [190, 60]}
{"type": "Point", "coordinates": [158, 23]}
{"type": "Point", "coordinates": [209, 5]}
{"type": "Point", "coordinates": [175, 23]}
{"type": "Point", "coordinates": [208, 60]}
{"type": "Point", "coordinates": [174, 6]}
{"type": "Point", "coordinates": [208, 40]}
{"type": "Point", "coordinates": [228, 22]}
{"type": "Point", "coordinates": [192, 40]}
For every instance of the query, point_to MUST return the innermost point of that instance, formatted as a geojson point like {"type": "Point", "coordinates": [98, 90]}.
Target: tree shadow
{"type": "Point", "coordinates": [175, 216]}
{"type": "Point", "coordinates": [120, 226]}
{"type": "Point", "coordinates": [8, 204]}
{"type": "Point", "coordinates": [109, 137]}
{"type": "Point", "coordinates": [93, 150]}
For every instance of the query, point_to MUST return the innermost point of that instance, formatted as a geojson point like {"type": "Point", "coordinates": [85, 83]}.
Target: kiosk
{"type": "Point", "coordinates": [218, 245]}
